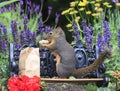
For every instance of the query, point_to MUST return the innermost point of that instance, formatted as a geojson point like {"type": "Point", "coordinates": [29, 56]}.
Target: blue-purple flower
{"type": "Point", "coordinates": [17, 45]}
{"type": "Point", "coordinates": [88, 34]}
{"type": "Point", "coordinates": [115, 1]}
{"type": "Point", "coordinates": [49, 10]}
{"type": "Point", "coordinates": [107, 33]}
{"type": "Point", "coordinates": [28, 2]}
{"type": "Point", "coordinates": [3, 44]}
{"type": "Point", "coordinates": [28, 34]}
{"type": "Point", "coordinates": [76, 32]}
{"type": "Point", "coordinates": [100, 42]}
{"type": "Point", "coordinates": [57, 18]}
{"type": "Point", "coordinates": [3, 29]}
{"type": "Point", "coordinates": [37, 8]}
{"type": "Point", "coordinates": [34, 36]}
{"type": "Point", "coordinates": [14, 30]}
{"type": "Point", "coordinates": [25, 22]}
{"type": "Point", "coordinates": [22, 37]}
{"type": "Point", "coordinates": [47, 29]}
{"type": "Point", "coordinates": [40, 27]}
{"type": "Point", "coordinates": [21, 2]}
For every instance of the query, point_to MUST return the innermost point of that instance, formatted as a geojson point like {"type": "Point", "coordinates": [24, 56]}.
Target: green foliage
{"type": "Point", "coordinates": [3, 70]}
{"type": "Point", "coordinates": [91, 87]}
{"type": "Point", "coordinates": [114, 22]}
{"type": "Point", "coordinates": [2, 4]}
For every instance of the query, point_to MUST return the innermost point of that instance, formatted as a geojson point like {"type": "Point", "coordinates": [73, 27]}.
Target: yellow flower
{"type": "Point", "coordinates": [77, 19]}
{"type": "Point", "coordinates": [109, 6]}
{"type": "Point", "coordinates": [72, 4]}
{"type": "Point", "coordinates": [95, 14]}
{"type": "Point", "coordinates": [70, 9]}
{"type": "Point", "coordinates": [117, 4]}
{"type": "Point", "coordinates": [81, 9]}
{"type": "Point", "coordinates": [92, 2]}
{"type": "Point", "coordinates": [65, 12]}
{"type": "Point", "coordinates": [99, 9]}
{"type": "Point", "coordinates": [84, 3]}
{"type": "Point", "coordinates": [105, 3]}
{"type": "Point", "coordinates": [96, 8]}
{"type": "Point", "coordinates": [81, 4]}
{"type": "Point", "coordinates": [88, 12]}
{"type": "Point", "coordinates": [98, 0]}
{"type": "Point", "coordinates": [73, 12]}
{"type": "Point", "coordinates": [69, 25]}
{"type": "Point", "coordinates": [97, 5]}
{"type": "Point", "coordinates": [71, 30]}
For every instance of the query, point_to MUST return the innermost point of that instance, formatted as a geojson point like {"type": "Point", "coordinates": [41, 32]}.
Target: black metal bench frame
{"type": "Point", "coordinates": [47, 61]}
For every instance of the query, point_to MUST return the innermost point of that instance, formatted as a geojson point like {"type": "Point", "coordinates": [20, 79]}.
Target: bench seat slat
{"type": "Point", "coordinates": [72, 80]}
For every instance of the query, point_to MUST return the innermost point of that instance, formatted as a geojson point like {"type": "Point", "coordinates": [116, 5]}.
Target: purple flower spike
{"type": "Point", "coordinates": [17, 45]}
{"type": "Point", "coordinates": [37, 7]}
{"type": "Point", "coordinates": [22, 37]}
{"type": "Point", "coordinates": [88, 35]}
{"type": "Point", "coordinates": [57, 18]}
{"type": "Point", "coordinates": [115, 1]}
{"type": "Point", "coordinates": [25, 19]}
{"type": "Point", "coordinates": [29, 2]}
{"type": "Point", "coordinates": [100, 42]}
{"type": "Point", "coordinates": [91, 29]}
{"type": "Point", "coordinates": [40, 26]}
{"type": "Point", "coordinates": [107, 33]}
{"type": "Point", "coordinates": [3, 28]}
{"type": "Point", "coordinates": [47, 29]}
{"type": "Point", "coordinates": [25, 22]}
{"type": "Point", "coordinates": [28, 35]}
{"type": "Point", "coordinates": [3, 44]}
{"type": "Point", "coordinates": [49, 10]}
{"type": "Point", "coordinates": [14, 30]}
{"type": "Point", "coordinates": [76, 31]}
{"type": "Point", "coordinates": [21, 2]}
{"type": "Point", "coordinates": [34, 35]}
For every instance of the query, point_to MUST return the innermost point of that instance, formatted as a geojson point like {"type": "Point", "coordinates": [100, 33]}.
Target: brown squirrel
{"type": "Point", "coordinates": [64, 53]}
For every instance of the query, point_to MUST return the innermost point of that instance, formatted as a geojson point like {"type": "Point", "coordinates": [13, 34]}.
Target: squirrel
{"type": "Point", "coordinates": [65, 56]}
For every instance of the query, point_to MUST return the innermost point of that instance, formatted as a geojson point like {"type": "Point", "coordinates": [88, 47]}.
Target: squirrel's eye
{"type": "Point", "coordinates": [50, 33]}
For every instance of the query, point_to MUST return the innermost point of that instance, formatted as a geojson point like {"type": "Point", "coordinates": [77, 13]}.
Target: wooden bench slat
{"type": "Point", "coordinates": [72, 80]}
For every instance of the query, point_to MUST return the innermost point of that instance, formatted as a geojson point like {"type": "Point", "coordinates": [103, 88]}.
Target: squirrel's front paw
{"type": "Point", "coordinates": [43, 42]}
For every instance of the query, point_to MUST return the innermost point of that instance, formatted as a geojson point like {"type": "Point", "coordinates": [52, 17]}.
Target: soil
{"type": "Point", "coordinates": [65, 87]}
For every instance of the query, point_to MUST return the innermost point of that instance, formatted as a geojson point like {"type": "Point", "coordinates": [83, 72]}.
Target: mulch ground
{"type": "Point", "coordinates": [65, 87]}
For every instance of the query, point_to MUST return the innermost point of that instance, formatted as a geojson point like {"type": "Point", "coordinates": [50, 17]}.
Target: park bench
{"type": "Point", "coordinates": [84, 57]}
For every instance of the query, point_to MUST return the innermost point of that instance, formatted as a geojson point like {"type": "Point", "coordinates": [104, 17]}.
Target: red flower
{"type": "Point", "coordinates": [24, 83]}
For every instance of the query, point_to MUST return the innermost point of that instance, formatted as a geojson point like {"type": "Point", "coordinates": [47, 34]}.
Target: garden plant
{"type": "Point", "coordinates": [94, 22]}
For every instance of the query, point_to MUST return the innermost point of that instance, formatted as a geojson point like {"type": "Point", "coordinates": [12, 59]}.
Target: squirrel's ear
{"type": "Point", "coordinates": [59, 30]}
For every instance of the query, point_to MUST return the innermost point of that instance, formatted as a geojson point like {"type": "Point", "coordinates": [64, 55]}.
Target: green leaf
{"type": "Point", "coordinates": [6, 15]}
{"type": "Point", "coordinates": [103, 89]}
{"type": "Point", "coordinates": [109, 72]}
{"type": "Point", "coordinates": [2, 4]}
{"type": "Point", "coordinates": [91, 88]}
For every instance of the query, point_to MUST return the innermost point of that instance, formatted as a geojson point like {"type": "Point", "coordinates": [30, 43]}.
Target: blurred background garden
{"type": "Point", "coordinates": [92, 21]}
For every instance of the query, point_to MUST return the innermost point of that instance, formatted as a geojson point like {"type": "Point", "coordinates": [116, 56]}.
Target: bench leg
{"type": "Point", "coordinates": [103, 83]}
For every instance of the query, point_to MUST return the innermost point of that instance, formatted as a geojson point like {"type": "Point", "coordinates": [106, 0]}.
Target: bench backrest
{"type": "Point", "coordinates": [84, 57]}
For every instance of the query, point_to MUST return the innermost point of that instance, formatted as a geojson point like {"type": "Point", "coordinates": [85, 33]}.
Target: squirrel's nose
{"type": "Point", "coordinates": [45, 38]}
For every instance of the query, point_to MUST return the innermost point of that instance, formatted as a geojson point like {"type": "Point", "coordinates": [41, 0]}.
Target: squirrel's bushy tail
{"type": "Point", "coordinates": [82, 71]}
